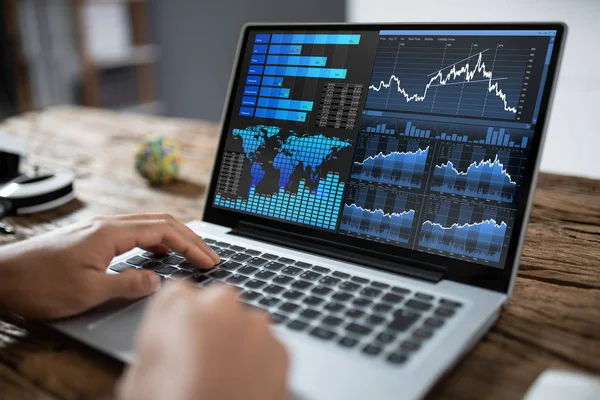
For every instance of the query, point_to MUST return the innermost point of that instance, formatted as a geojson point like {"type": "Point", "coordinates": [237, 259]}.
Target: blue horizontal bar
{"type": "Point", "coordinates": [297, 60]}
{"type": "Point", "coordinates": [285, 49]}
{"type": "Point", "coordinates": [272, 81]}
{"type": "Point", "coordinates": [274, 92]}
{"type": "Point", "coordinates": [255, 69]}
{"type": "Point", "coordinates": [246, 111]}
{"type": "Point", "coordinates": [319, 38]}
{"type": "Point", "coordinates": [283, 103]}
{"type": "Point", "coordinates": [248, 101]}
{"type": "Point", "coordinates": [280, 114]}
{"type": "Point", "coordinates": [253, 80]}
{"type": "Point", "coordinates": [262, 38]}
{"type": "Point", "coordinates": [257, 59]}
{"type": "Point", "coordinates": [333, 73]}
{"type": "Point", "coordinates": [251, 90]}
{"type": "Point", "coordinates": [469, 33]}
{"type": "Point", "coordinates": [260, 49]}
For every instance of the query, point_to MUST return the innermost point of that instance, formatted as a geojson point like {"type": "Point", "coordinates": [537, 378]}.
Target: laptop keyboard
{"type": "Point", "coordinates": [372, 317]}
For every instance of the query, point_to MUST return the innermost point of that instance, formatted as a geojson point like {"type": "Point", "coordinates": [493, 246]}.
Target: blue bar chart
{"type": "Point", "coordinates": [389, 160]}
{"type": "Point", "coordinates": [467, 230]}
{"type": "Point", "coordinates": [276, 60]}
{"type": "Point", "coordinates": [478, 172]}
{"type": "Point", "coordinates": [379, 215]}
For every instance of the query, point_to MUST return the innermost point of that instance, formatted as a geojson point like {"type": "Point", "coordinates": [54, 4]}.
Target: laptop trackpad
{"type": "Point", "coordinates": [120, 327]}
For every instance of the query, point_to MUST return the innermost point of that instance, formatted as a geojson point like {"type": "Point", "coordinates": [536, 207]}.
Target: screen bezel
{"type": "Point", "coordinates": [497, 279]}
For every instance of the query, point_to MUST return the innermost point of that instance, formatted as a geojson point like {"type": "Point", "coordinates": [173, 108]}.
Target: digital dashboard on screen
{"type": "Point", "coordinates": [413, 138]}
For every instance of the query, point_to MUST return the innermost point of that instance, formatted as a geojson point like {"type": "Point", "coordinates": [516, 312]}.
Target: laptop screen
{"type": "Point", "coordinates": [417, 139]}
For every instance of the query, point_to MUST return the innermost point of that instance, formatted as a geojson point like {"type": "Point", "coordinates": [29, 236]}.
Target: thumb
{"type": "Point", "coordinates": [131, 284]}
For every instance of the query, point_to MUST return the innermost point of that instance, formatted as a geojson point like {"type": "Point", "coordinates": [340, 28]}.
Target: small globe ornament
{"type": "Point", "coordinates": [158, 159]}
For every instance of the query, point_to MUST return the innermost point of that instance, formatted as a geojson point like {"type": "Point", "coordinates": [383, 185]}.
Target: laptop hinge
{"type": "Point", "coordinates": [431, 273]}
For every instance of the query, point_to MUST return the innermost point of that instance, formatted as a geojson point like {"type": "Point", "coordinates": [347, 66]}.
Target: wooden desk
{"type": "Point", "coordinates": [553, 320]}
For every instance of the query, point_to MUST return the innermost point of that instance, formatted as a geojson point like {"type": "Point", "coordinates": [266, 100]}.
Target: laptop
{"type": "Point", "coordinates": [371, 191]}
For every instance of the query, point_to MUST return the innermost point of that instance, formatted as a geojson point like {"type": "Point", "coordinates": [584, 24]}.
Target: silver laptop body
{"type": "Point", "coordinates": [402, 276]}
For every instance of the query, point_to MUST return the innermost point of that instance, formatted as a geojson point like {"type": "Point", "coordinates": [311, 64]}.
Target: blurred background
{"type": "Point", "coordinates": [174, 57]}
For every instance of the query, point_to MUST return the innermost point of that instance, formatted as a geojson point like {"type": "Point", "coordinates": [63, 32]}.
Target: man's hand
{"type": "Point", "coordinates": [204, 344]}
{"type": "Point", "coordinates": [62, 273]}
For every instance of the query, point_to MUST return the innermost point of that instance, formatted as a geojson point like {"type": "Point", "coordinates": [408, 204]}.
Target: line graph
{"type": "Point", "coordinates": [477, 172]}
{"type": "Point", "coordinates": [456, 78]}
{"type": "Point", "coordinates": [389, 160]}
{"type": "Point", "coordinates": [378, 214]}
{"type": "Point", "coordinates": [466, 230]}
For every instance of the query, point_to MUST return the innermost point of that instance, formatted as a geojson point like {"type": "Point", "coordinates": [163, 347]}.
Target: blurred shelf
{"type": "Point", "coordinates": [137, 55]}
{"type": "Point", "coordinates": [151, 107]}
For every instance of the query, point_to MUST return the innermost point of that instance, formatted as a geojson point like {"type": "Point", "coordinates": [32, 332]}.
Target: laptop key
{"type": "Point", "coordinates": [310, 275]}
{"type": "Point", "coordinates": [352, 313]}
{"type": "Point", "coordinates": [222, 244]}
{"type": "Point", "coordinates": [237, 248]}
{"type": "Point", "coordinates": [286, 260]}
{"type": "Point", "coordinates": [418, 305]}
{"type": "Point", "coordinates": [321, 290]}
{"type": "Point", "coordinates": [370, 292]}
{"type": "Point", "coordinates": [289, 308]}
{"type": "Point", "coordinates": [333, 321]}
{"type": "Point", "coordinates": [329, 280]}
{"type": "Point", "coordinates": [293, 271]}
{"type": "Point", "coordinates": [301, 285]}
{"type": "Point", "coordinates": [392, 298]}
{"type": "Point", "coordinates": [253, 252]}
{"type": "Point", "coordinates": [322, 333]}
{"type": "Point", "coordinates": [241, 257]}
{"type": "Point", "coordinates": [410, 345]}
{"type": "Point", "coordinates": [269, 256]}
{"type": "Point", "coordinates": [152, 265]}
{"type": "Point", "coordinates": [380, 285]}
{"type": "Point", "coordinates": [434, 322]}
{"type": "Point", "coordinates": [269, 301]}
{"type": "Point", "coordinates": [220, 274]}
{"type": "Point", "coordinates": [273, 289]}
{"type": "Point", "coordinates": [450, 303]}
{"type": "Point", "coordinates": [341, 275]}
{"type": "Point", "coordinates": [282, 279]}
{"type": "Point", "coordinates": [313, 300]}
{"type": "Point", "coordinates": [293, 294]}
{"type": "Point", "coordinates": [400, 290]}
{"type": "Point", "coordinates": [349, 286]}
{"type": "Point", "coordinates": [334, 307]}
{"type": "Point", "coordinates": [256, 262]}
{"type": "Point", "coordinates": [209, 240]}
{"type": "Point", "coordinates": [321, 270]}
{"type": "Point", "coordinates": [237, 279]}
{"type": "Point", "coordinates": [310, 314]}
{"type": "Point", "coordinates": [348, 342]}
{"type": "Point", "coordinates": [358, 279]}
{"type": "Point", "coordinates": [226, 253]}
{"type": "Point", "coordinates": [138, 261]}
{"type": "Point", "coordinates": [173, 260]}
{"type": "Point", "coordinates": [403, 320]}
{"type": "Point", "coordinates": [397, 358]}
{"type": "Point", "coordinates": [188, 266]}
{"type": "Point", "coordinates": [444, 312]}
{"type": "Point", "coordinates": [274, 266]}
{"type": "Point", "coordinates": [423, 296]}
{"type": "Point", "coordinates": [247, 270]}
{"type": "Point", "coordinates": [255, 284]}
{"type": "Point", "coordinates": [385, 337]}
{"type": "Point", "coordinates": [228, 266]}
{"type": "Point", "coordinates": [165, 270]}
{"type": "Point", "coordinates": [198, 278]}
{"type": "Point", "coordinates": [371, 350]}
{"type": "Point", "coordinates": [120, 267]}
{"type": "Point", "coordinates": [423, 333]}
{"type": "Point", "coordinates": [375, 320]}
{"type": "Point", "coordinates": [302, 264]}
{"type": "Point", "coordinates": [297, 325]}
{"type": "Point", "coordinates": [277, 318]}
{"type": "Point", "coordinates": [358, 329]}
{"type": "Point", "coordinates": [250, 295]}
{"type": "Point", "coordinates": [342, 297]}
{"type": "Point", "coordinates": [264, 275]}
{"type": "Point", "coordinates": [155, 256]}
{"type": "Point", "coordinates": [382, 308]}
{"type": "Point", "coordinates": [362, 302]}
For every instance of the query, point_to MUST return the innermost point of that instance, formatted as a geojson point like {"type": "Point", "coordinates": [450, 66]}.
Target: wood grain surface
{"type": "Point", "coordinates": [553, 320]}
